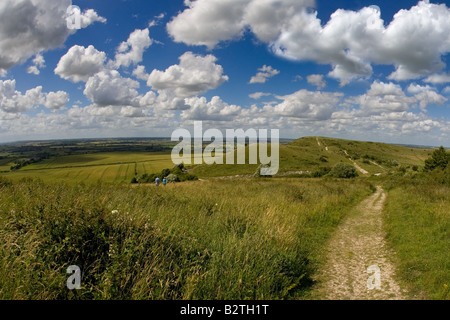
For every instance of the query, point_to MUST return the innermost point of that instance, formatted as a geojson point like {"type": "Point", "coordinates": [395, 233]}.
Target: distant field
{"type": "Point", "coordinates": [107, 167]}
{"type": "Point", "coordinates": [5, 164]}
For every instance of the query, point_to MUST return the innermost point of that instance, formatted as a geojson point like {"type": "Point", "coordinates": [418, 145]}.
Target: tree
{"type": "Point", "coordinates": [439, 159]}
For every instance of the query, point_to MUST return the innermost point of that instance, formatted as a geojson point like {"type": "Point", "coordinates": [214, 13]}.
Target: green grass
{"type": "Point", "coordinates": [305, 154]}
{"type": "Point", "coordinates": [91, 168]}
{"type": "Point", "coordinates": [240, 239]}
{"type": "Point", "coordinates": [417, 221]}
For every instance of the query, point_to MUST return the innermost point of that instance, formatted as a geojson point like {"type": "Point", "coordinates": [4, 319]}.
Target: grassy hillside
{"type": "Point", "coordinates": [240, 239]}
{"type": "Point", "coordinates": [417, 220]}
{"type": "Point", "coordinates": [311, 153]}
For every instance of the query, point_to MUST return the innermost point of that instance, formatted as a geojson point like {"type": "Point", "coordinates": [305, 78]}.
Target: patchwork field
{"type": "Point", "coordinates": [106, 167]}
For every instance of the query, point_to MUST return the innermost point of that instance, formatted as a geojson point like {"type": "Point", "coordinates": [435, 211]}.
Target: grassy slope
{"type": "Point", "coordinates": [305, 155]}
{"type": "Point", "coordinates": [417, 220]}
{"type": "Point", "coordinates": [258, 239]}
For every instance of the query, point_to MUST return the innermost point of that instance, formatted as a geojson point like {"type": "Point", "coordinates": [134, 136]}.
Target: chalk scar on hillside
{"type": "Point", "coordinates": [356, 165]}
{"type": "Point", "coordinates": [359, 243]}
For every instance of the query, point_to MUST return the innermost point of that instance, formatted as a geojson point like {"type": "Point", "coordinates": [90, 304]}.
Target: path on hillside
{"type": "Point", "coordinates": [355, 164]}
{"type": "Point", "coordinates": [356, 254]}
{"type": "Point", "coordinates": [319, 144]}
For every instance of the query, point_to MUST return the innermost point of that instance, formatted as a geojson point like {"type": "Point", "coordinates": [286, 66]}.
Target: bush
{"type": "Point", "coordinates": [322, 171]}
{"type": "Point", "coordinates": [179, 166]}
{"type": "Point", "coordinates": [190, 177]}
{"type": "Point", "coordinates": [343, 170]}
{"type": "Point", "coordinates": [171, 178]}
{"type": "Point", "coordinates": [165, 173]}
{"type": "Point", "coordinates": [439, 159]}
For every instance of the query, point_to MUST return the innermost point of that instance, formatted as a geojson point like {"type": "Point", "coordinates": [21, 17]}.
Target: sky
{"type": "Point", "coordinates": [373, 70]}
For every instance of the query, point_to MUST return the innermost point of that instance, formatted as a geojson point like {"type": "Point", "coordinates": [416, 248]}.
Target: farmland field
{"type": "Point", "coordinates": [107, 167]}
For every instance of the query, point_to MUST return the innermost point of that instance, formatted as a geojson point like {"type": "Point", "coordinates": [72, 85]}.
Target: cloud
{"type": "Point", "coordinates": [109, 88]}
{"type": "Point", "coordinates": [80, 63]}
{"type": "Point", "coordinates": [265, 73]}
{"type": "Point", "coordinates": [207, 22]}
{"type": "Point", "coordinates": [139, 73]}
{"type": "Point", "coordinates": [390, 98]}
{"type": "Point", "coordinates": [216, 110]}
{"type": "Point", "coordinates": [194, 75]}
{"type": "Point", "coordinates": [13, 101]}
{"type": "Point", "coordinates": [259, 95]}
{"type": "Point", "coordinates": [416, 88]}
{"type": "Point", "coordinates": [38, 63]}
{"type": "Point", "coordinates": [438, 78]}
{"type": "Point", "coordinates": [429, 97]}
{"type": "Point", "coordinates": [89, 16]}
{"type": "Point", "coordinates": [29, 27]}
{"type": "Point", "coordinates": [316, 80]}
{"type": "Point", "coordinates": [351, 41]}
{"type": "Point", "coordinates": [446, 90]}
{"type": "Point", "coordinates": [56, 100]}
{"type": "Point", "coordinates": [131, 51]}
{"type": "Point", "coordinates": [306, 104]}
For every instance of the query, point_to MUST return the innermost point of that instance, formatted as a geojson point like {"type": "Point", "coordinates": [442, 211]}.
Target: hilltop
{"type": "Point", "coordinates": [310, 154]}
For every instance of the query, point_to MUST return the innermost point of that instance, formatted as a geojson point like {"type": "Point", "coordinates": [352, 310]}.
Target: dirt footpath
{"type": "Point", "coordinates": [360, 266]}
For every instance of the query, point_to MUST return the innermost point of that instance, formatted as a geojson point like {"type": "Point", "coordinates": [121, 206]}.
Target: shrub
{"type": "Point", "coordinates": [165, 173]}
{"type": "Point", "coordinates": [322, 171]}
{"type": "Point", "coordinates": [439, 159]}
{"type": "Point", "coordinates": [179, 166]}
{"type": "Point", "coordinates": [190, 177]}
{"type": "Point", "coordinates": [343, 170]}
{"type": "Point", "coordinates": [171, 178]}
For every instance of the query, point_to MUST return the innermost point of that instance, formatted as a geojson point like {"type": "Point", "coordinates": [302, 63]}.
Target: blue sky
{"type": "Point", "coordinates": [363, 70]}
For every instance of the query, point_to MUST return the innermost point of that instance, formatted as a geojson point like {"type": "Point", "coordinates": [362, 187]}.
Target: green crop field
{"type": "Point", "coordinates": [107, 167]}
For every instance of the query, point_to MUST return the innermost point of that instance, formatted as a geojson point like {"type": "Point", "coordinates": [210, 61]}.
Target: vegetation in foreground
{"type": "Point", "coordinates": [417, 220]}
{"type": "Point", "coordinates": [238, 239]}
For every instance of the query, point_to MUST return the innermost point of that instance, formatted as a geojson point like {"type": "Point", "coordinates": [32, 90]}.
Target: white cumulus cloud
{"type": "Point", "coordinates": [109, 88]}
{"type": "Point", "coordinates": [29, 27]}
{"type": "Point", "coordinates": [317, 80]}
{"type": "Point", "coordinates": [131, 51]}
{"type": "Point", "coordinates": [80, 63]}
{"type": "Point", "coordinates": [264, 74]}
{"type": "Point", "coordinates": [194, 75]}
{"type": "Point", "coordinates": [351, 41]}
